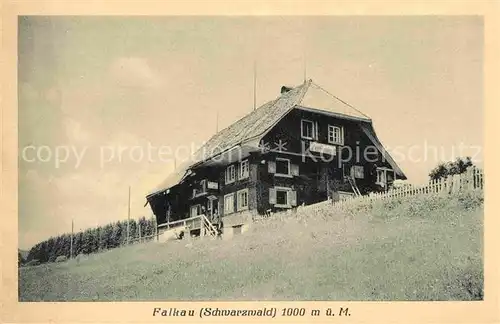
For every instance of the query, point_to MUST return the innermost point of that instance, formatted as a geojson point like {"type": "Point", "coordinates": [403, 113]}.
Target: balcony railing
{"type": "Point", "coordinates": [205, 187]}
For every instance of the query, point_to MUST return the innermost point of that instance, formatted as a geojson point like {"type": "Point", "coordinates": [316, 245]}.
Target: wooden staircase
{"type": "Point", "coordinates": [354, 187]}
{"type": "Point", "coordinates": [207, 228]}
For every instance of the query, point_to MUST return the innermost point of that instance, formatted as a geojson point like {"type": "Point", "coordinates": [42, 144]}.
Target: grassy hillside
{"type": "Point", "coordinates": [420, 248]}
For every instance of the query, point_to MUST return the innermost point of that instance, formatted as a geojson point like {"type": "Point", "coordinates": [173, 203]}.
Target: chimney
{"type": "Point", "coordinates": [285, 89]}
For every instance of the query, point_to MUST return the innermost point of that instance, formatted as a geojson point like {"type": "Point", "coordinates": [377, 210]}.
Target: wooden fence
{"type": "Point", "coordinates": [472, 179]}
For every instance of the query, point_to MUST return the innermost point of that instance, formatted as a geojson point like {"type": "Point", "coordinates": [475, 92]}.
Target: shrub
{"type": "Point", "coordinates": [470, 199]}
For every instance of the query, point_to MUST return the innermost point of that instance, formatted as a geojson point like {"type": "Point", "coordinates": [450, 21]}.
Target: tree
{"type": "Point", "coordinates": [443, 170]}
{"type": "Point", "coordinates": [116, 235]}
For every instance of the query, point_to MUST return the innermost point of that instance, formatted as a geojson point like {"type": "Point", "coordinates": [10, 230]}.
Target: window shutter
{"type": "Point", "coordinates": [272, 196]}
{"type": "Point", "coordinates": [292, 197]}
{"type": "Point", "coordinates": [294, 169]}
{"type": "Point", "coordinates": [271, 167]}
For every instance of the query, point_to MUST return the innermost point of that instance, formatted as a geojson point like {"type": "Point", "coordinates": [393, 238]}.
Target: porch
{"type": "Point", "coordinates": [198, 225]}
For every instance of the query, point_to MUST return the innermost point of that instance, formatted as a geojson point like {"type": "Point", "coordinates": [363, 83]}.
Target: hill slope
{"type": "Point", "coordinates": [419, 248]}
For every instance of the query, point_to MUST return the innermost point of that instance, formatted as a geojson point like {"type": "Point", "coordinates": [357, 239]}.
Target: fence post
{"type": "Point", "coordinates": [456, 183]}
{"type": "Point", "coordinates": [449, 183]}
{"type": "Point", "coordinates": [470, 178]}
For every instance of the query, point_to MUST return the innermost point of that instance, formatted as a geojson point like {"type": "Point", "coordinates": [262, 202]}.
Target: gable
{"type": "Point", "coordinates": [318, 98]}
{"type": "Point", "coordinates": [357, 134]}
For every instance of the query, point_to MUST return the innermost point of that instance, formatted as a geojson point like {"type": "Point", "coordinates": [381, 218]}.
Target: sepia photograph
{"type": "Point", "coordinates": [250, 158]}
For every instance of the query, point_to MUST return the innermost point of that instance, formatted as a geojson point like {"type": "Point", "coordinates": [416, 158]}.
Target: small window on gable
{"type": "Point", "coordinates": [230, 174]}
{"type": "Point", "coordinates": [308, 129]}
{"type": "Point", "coordinates": [243, 174]}
{"type": "Point", "coordinates": [283, 167]}
{"type": "Point", "coordinates": [335, 135]}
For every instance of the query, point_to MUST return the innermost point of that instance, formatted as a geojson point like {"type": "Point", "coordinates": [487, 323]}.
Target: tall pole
{"type": "Point", "coordinates": [305, 67]}
{"type": "Point", "coordinates": [71, 242]}
{"type": "Point", "coordinates": [217, 122]}
{"type": "Point", "coordinates": [254, 84]}
{"type": "Point", "coordinates": [128, 217]}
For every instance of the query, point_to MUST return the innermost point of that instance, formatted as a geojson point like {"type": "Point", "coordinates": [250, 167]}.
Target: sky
{"type": "Point", "coordinates": [107, 102]}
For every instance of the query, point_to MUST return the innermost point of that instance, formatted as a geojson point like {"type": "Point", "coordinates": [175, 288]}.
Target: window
{"type": "Point", "coordinates": [357, 171]}
{"type": "Point", "coordinates": [243, 169]}
{"type": "Point", "coordinates": [230, 174]}
{"type": "Point", "coordinates": [242, 199]}
{"type": "Point", "coordinates": [229, 204]}
{"type": "Point", "coordinates": [381, 177]}
{"type": "Point", "coordinates": [282, 167]}
{"type": "Point", "coordinates": [281, 197]}
{"type": "Point", "coordinates": [308, 129]}
{"type": "Point", "coordinates": [203, 185]}
{"type": "Point", "coordinates": [335, 135]}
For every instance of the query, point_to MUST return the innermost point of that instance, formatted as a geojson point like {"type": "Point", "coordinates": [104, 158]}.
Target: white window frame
{"type": "Point", "coordinates": [289, 175]}
{"type": "Point", "coordinates": [313, 129]}
{"type": "Point", "coordinates": [331, 135]}
{"type": "Point", "coordinates": [230, 174]}
{"type": "Point", "coordinates": [226, 211]}
{"type": "Point", "coordinates": [382, 182]}
{"type": "Point", "coordinates": [287, 190]}
{"type": "Point", "coordinates": [244, 172]}
{"type": "Point", "coordinates": [239, 200]}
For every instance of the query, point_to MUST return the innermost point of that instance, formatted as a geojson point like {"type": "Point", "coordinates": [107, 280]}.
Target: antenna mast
{"type": "Point", "coordinates": [305, 66]}
{"type": "Point", "coordinates": [254, 84]}
{"type": "Point", "coordinates": [217, 122]}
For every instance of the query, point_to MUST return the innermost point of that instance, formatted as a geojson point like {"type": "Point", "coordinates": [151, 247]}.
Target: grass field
{"type": "Point", "coordinates": [419, 248]}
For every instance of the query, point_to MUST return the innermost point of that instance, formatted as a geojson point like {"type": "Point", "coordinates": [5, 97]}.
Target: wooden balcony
{"type": "Point", "coordinates": [205, 187]}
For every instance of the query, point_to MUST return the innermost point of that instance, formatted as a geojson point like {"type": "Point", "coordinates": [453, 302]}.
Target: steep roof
{"type": "Point", "coordinates": [258, 122]}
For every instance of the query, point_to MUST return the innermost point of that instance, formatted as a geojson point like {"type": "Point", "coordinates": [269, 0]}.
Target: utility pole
{"type": "Point", "coordinates": [71, 242]}
{"type": "Point", "coordinates": [128, 217]}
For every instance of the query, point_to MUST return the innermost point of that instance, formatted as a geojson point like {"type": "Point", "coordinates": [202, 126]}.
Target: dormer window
{"type": "Point", "coordinates": [309, 129]}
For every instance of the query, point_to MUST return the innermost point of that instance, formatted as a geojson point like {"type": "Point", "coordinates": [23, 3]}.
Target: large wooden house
{"type": "Point", "coordinates": [303, 147]}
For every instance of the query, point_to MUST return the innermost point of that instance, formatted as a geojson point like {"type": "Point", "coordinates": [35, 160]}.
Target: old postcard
{"type": "Point", "coordinates": [307, 166]}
